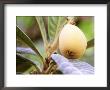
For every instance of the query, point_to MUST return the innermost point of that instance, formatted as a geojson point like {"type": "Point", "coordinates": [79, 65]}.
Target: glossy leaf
{"type": "Point", "coordinates": [36, 59]}
{"type": "Point", "coordinates": [21, 35]}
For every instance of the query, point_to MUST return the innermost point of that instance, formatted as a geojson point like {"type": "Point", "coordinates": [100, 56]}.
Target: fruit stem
{"type": "Point", "coordinates": [72, 20]}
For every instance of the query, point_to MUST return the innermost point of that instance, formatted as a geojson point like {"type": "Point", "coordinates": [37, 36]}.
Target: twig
{"type": "Point", "coordinates": [49, 68]}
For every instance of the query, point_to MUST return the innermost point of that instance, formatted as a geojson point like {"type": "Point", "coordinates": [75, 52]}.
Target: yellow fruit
{"type": "Point", "coordinates": [72, 42]}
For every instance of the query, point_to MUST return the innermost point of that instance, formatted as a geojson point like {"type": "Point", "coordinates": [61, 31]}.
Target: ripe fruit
{"type": "Point", "coordinates": [72, 42]}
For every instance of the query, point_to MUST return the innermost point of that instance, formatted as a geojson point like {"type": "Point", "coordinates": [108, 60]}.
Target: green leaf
{"type": "Point", "coordinates": [87, 26]}
{"type": "Point", "coordinates": [26, 39]}
{"type": "Point", "coordinates": [88, 56]}
{"type": "Point", "coordinates": [22, 59]}
{"type": "Point", "coordinates": [55, 24]}
{"type": "Point", "coordinates": [21, 35]}
{"type": "Point", "coordinates": [29, 70]}
{"type": "Point", "coordinates": [40, 44]}
{"type": "Point", "coordinates": [36, 59]}
{"type": "Point", "coordinates": [90, 43]}
{"type": "Point", "coordinates": [40, 22]}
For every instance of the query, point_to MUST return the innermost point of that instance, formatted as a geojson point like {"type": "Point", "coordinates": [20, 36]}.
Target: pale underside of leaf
{"type": "Point", "coordinates": [21, 35]}
{"type": "Point", "coordinates": [22, 50]}
{"type": "Point", "coordinates": [75, 67]}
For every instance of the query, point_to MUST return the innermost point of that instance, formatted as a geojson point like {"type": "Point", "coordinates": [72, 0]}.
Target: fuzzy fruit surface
{"type": "Point", "coordinates": [72, 42]}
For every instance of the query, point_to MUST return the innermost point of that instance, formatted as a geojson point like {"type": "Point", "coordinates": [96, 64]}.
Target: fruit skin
{"type": "Point", "coordinates": [72, 42]}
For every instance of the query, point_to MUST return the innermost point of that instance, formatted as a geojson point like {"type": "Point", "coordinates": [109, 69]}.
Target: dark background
{"type": "Point", "coordinates": [57, 1]}
{"type": "Point", "coordinates": [2, 49]}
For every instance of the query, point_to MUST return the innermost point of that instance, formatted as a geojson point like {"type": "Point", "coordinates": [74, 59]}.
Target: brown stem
{"type": "Point", "coordinates": [49, 68]}
{"type": "Point", "coordinates": [72, 20]}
